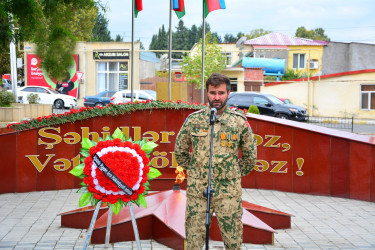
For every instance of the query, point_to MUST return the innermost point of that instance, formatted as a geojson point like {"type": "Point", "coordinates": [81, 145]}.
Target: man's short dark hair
{"type": "Point", "coordinates": [217, 79]}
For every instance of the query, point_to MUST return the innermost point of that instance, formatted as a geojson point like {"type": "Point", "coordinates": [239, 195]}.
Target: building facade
{"type": "Point", "coordinates": [347, 94]}
{"type": "Point", "coordinates": [342, 57]}
{"type": "Point", "coordinates": [98, 66]}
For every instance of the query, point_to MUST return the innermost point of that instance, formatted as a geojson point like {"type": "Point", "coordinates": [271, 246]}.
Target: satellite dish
{"type": "Point", "coordinates": [164, 61]}
{"type": "Point", "coordinates": [239, 44]}
{"type": "Point", "coordinates": [241, 41]}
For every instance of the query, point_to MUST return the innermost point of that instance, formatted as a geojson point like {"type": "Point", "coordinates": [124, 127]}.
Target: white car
{"type": "Point", "coordinates": [47, 96]}
{"type": "Point", "coordinates": [124, 96]}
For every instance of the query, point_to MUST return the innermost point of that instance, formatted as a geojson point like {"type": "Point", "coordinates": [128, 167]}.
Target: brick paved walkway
{"type": "Point", "coordinates": [30, 221]}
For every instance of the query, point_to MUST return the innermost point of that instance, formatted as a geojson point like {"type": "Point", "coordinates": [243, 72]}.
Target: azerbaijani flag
{"type": "Point", "coordinates": [138, 7]}
{"type": "Point", "coordinates": [211, 5]}
{"type": "Point", "coordinates": [179, 8]}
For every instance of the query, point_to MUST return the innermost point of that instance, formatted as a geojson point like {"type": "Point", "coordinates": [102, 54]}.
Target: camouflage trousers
{"type": "Point", "coordinates": [228, 212]}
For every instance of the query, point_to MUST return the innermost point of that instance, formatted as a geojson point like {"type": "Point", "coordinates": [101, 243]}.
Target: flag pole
{"type": "Point", "coordinates": [132, 56]}
{"type": "Point", "coordinates": [203, 42]}
{"type": "Point", "coordinates": [170, 51]}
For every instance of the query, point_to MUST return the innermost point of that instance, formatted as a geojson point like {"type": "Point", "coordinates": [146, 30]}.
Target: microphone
{"type": "Point", "coordinates": [213, 115]}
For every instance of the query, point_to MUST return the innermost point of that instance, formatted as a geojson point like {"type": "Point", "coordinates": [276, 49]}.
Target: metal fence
{"type": "Point", "coordinates": [333, 122]}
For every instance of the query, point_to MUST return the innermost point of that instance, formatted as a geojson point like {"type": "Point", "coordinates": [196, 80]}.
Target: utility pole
{"type": "Point", "coordinates": [13, 61]}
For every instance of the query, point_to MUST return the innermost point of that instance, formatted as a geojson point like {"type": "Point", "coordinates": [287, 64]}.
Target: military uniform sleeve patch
{"type": "Point", "coordinates": [238, 114]}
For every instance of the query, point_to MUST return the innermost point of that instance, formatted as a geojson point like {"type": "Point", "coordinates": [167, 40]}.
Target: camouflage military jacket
{"type": "Point", "coordinates": [231, 133]}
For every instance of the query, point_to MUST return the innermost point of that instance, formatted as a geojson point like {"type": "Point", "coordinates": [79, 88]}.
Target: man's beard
{"type": "Point", "coordinates": [222, 104]}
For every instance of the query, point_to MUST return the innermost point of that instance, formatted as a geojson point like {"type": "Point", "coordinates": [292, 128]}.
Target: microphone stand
{"type": "Point", "coordinates": [209, 192]}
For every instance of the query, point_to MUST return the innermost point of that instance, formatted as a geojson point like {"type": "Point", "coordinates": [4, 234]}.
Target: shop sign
{"type": "Point", "coordinates": [105, 55]}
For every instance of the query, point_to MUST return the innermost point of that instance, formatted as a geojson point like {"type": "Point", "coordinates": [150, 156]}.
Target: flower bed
{"type": "Point", "coordinates": [109, 110]}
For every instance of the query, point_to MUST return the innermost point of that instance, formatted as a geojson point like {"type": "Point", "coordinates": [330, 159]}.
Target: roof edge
{"type": "Point", "coordinates": [322, 77]}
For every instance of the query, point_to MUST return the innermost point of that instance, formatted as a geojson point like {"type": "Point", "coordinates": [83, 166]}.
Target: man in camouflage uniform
{"type": "Point", "coordinates": [231, 133]}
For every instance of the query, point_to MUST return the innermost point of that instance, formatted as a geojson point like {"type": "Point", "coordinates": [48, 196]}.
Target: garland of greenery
{"type": "Point", "coordinates": [110, 110]}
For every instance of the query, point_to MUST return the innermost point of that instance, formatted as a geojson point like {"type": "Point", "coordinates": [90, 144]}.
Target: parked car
{"type": "Point", "coordinates": [151, 92]}
{"type": "Point", "coordinates": [286, 100]}
{"type": "Point", "coordinates": [124, 96]}
{"type": "Point", "coordinates": [7, 84]}
{"type": "Point", "coordinates": [47, 96]}
{"type": "Point", "coordinates": [268, 105]}
{"type": "Point", "coordinates": [102, 99]}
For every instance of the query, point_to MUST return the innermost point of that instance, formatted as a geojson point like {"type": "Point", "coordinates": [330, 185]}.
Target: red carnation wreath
{"type": "Point", "coordinates": [126, 160]}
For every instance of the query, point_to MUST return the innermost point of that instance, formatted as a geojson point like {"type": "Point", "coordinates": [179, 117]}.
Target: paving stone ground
{"type": "Point", "coordinates": [31, 221]}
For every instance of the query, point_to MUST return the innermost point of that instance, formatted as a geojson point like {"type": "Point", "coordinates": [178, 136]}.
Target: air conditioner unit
{"type": "Point", "coordinates": [314, 65]}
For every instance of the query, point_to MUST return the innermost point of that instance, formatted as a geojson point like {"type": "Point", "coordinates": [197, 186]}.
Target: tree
{"type": "Point", "coordinates": [257, 33]}
{"type": "Point", "coordinates": [192, 64]}
{"type": "Point", "coordinates": [119, 38]}
{"type": "Point", "coordinates": [100, 32]}
{"type": "Point", "coordinates": [317, 34]}
{"type": "Point", "coordinates": [54, 26]}
{"type": "Point", "coordinates": [216, 37]}
{"type": "Point", "coordinates": [180, 39]}
{"type": "Point", "coordinates": [159, 41]}
{"type": "Point", "coordinates": [229, 38]}
{"type": "Point", "coordinates": [194, 36]}
{"type": "Point", "coordinates": [141, 44]}
{"type": "Point", "coordinates": [240, 34]}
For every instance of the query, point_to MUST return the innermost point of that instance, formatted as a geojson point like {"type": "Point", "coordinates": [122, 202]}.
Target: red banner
{"type": "Point", "coordinates": [37, 76]}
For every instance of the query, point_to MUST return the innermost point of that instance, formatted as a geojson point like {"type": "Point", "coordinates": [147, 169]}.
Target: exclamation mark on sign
{"type": "Point", "coordinates": [300, 162]}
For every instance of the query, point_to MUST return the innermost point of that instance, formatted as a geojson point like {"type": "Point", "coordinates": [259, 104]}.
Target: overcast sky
{"type": "Point", "coordinates": [342, 20]}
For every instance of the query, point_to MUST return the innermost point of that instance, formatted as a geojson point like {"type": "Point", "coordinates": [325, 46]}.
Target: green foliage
{"type": "Point", "coordinates": [77, 170]}
{"type": "Point", "coordinates": [148, 147]}
{"type": "Point", "coordinates": [86, 143]}
{"type": "Point", "coordinates": [180, 39]}
{"type": "Point", "coordinates": [257, 33]}
{"type": "Point", "coordinates": [119, 38]}
{"type": "Point", "coordinates": [100, 32]}
{"type": "Point", "coordinates": [6, 98]}
{"type": "Point", "coordinates": [214, 62]}
{"type": "Point", "coordinates": [33, 98]}
{"type": "Point", "coordinates": [269, 78]}
{"type": "Point", "coordinates": [116, 208]}
{"type": "Point", "coordinates": [85, 199]}
{"type": "Point", "coordinates": [316, 34]}
{"type": "Point", "coordinates": [142, 200]}
{"type": "Point", "coordinates": [183, 38]}
{"type": "Point", "coordinates": [159, 41]}
{"type": "Point", "coordinates": [54, 26]}
{"type": "Point", "coordinates": [229, 38]}
{"type": "Point", "coordinates": [154, 173]}
{"type": "Point", "coordinates": [109, 110]}
{"type": "Point", "coordinates": [240, 34]}
{"type": "Point", "coordinates": [291, 74]}
{"type": "Point", "coordinates": [253, 109]}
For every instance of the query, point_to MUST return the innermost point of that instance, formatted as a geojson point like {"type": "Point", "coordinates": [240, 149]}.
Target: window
{"type": "Point", "coordinates": [299, 61]}
{"type": "Point", "coordinates": [260, 100]}
{"type": "Point", "coordinates": [233, 84]}
{"type": "Point", "coordinates": [29, 89]}
{"type": "Point", "coordinates": [112, 76]}
{"type": "Point", "coordinates": [367, 97]}
{"type": "Point", "coordinates": [228, 58]}
{"type": "Point", "coordinates": [143, 97]}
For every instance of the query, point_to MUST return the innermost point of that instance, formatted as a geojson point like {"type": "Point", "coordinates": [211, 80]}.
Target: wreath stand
{"type": "Point", "coordinates": [109, 225]}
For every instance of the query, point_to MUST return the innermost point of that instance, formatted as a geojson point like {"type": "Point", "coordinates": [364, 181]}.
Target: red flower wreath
{"type": "Point", "coordinates": [126, 159]}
